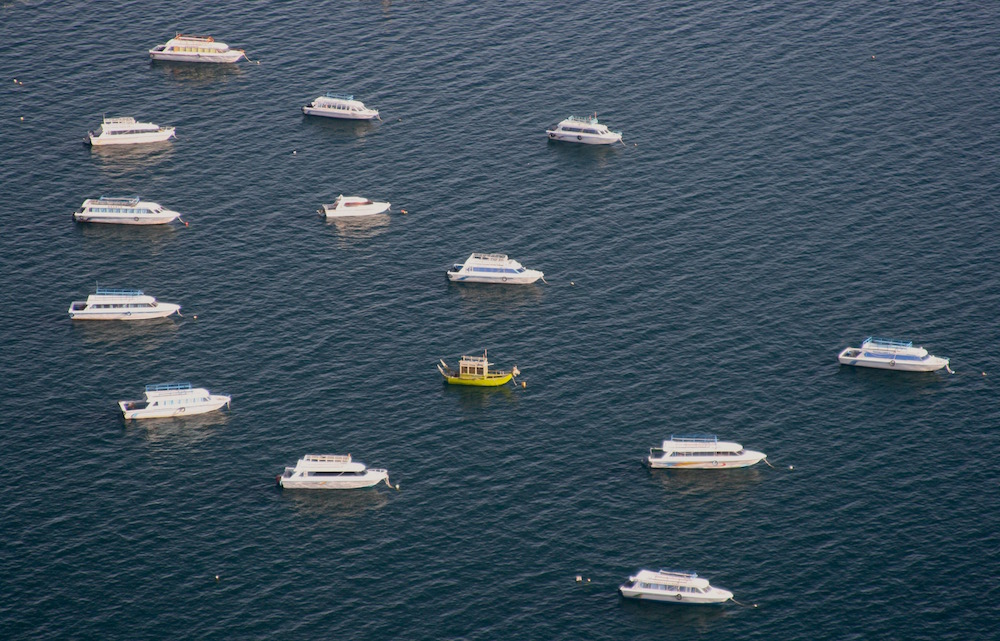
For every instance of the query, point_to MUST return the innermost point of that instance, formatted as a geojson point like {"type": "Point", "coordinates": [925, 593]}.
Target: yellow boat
{"type": "Point", "coordinates": [475, 370]}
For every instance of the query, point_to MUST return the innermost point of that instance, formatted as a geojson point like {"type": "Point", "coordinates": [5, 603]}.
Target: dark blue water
{"type": "Point", "coordinates": [795, 178]}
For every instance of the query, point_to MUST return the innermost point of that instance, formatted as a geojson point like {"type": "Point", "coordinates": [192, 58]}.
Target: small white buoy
{"type": "Point", "coordinates": [397, 487]}
{"type": "Point", "coordinates": [791, 467]}
{"type": "Point", "coordinates": [572, 283]}
{"type": "Point", "coordinates": [294, 152]}
{"type": "Point", "coordinates": [984, 373]}
{"type": "Point", "coordinates": [588, 580]}
{"type": "Point", "coordinates": [524, 384]}
{"type": "Point", "coordinates": [22, 118]}
{"type": "Point", "coordinates": [15, 81]}
{"type": "Point", "coordinates": [216, 577]}
{"type": "Point", "coordinates": [579, 578]}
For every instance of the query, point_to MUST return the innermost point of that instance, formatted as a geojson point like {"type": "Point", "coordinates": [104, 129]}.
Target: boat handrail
{"type": "Point", "coordinates": [106, 291]}
{"type": "Point", "coordinates": [181, 36]}
{"type": "Point", "coordinates": [490, 258]}
{"type": "Point", "coordinates": [327, 458]}
{"type": "Point", "coordinates": [886, 342]}
{"type": "Point", "coordinates": [591, 120]}
{"type": "Point", "coordinates": [338, 96]}
{"type": "Point", "coordinates": [694, 438]}
{"type": "Point", "coordinates": [690, 574]}
{"type": "Point", "coordinates": [163, 387]}
{"type": "Point", "coordinates": [119, 200]}
{"type": "Point", "coordinates": [119, 120]}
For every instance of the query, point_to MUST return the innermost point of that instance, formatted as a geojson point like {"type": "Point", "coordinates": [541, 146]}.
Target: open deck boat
{"type": "Point", "coordinates": [492, 268]}
{"type": "Point", "coordinates": [475, 371]}
{"type": "Point", "coordinates": [673, 587]}
{"type": "Point", "coordinates": [183, 48]}
{"type": "Point", "coordinates": [353, 206]}
{"type": "Point", "coordinates": [701, 452]}
{"type": "Point", "coordinates": [330, 472]}
{"type": "Point", "coordinates": [336, 105]}
{"type": "Point", "coordinates": [125, 130]}
{"type": "Point", "coordinates": [120, 304]}
{"type": "Point", "coordinates": [585, 131]}
{"type": "Point", "coordinates": [173, 399]}
{"type": "Point", "coordinates": [883, 353]}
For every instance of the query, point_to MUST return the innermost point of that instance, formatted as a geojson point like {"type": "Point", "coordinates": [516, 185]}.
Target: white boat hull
{"type": "Point", "coordinates": [160, 311]}
{"type": "Point", "coordinates": [370, 479]}
{"type": "Point", "coordinates": [584, 139]}
{"type": "Point", "coordinates": [853, 356]}
{"type": "Point", "coordinates": [714, 596]}
{"type": "Point", "coordinates": [224, 57]}
{"type": "Point", "coordinates": [123, 219]}
{"type": "Point", "coordinates": [350, 212]}
{"type": "Point", "coordinates": [131, 139]}
{"type": "Point", "coordinates": [342, 114]}
{"type": "Point", "coordinates": [748, 458]}
{"type": "Point", "coordinates": [215, 402]}
{"type": "Point", "coordinates": [528, 277]}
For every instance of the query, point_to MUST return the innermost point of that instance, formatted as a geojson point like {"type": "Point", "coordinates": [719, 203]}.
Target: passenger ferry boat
{"type": "Point", "coordinates": [338, 105]}
{"type": "Point", "coordinates": [128, 210]}
{"type": "Point", "coordinates": [673, 587]}
{"type": "Point", "coordinates": [126, 131]}
{"type": "Point", "coordinates": [120, 304]}
{"type": "Point", "coordinates": [173, 399]}
{"type": "Point", "coordinates": [492, 268]}
{"type": "Point", "coordinates": [586, 131]}
{"type": "Point", "coordinates": [183, 48]}
{"type": "Point", "coordinates": [883, 353]}
{"type": "Point", "coordinates": [353, 206]}
{"type": "Point", "coordinates": [475, 371]}
{"type": "Point", "coordinates": [701, 452]}
{"type": "Point", "coordinates": [330, 472]}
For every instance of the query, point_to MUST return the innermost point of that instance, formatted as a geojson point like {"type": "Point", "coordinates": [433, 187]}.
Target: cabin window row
{"type": "Point", "coordinates": [498, 270]}
{"type": "Point", "coordinates": [672, 588]}
{"type": "Point", "coordinates": [193, 50]}
{"type": "Point", "coordinates": [577, 130]}
{"type": "Point", "coordinates": [473, 370]}
{"type": "Point", "coordinates": [182, 401]}
{"type": "Point", "coordinates": [121, 305]}
{"type": "Point", "coordinates": [117, 210]}
{"type": "Point", "coordinates": [707, 453]}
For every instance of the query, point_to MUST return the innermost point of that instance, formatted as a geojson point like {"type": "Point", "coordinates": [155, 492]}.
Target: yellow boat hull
{"type": "Point", "coordinates": [478, 381]}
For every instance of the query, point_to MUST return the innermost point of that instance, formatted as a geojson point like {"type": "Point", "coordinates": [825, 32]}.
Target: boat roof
{"type": "Point", "coordinates": [700, 442]}
{"type": "Point", "coordinates": [590, 120]}
{"type": "Point", "coordinates": [119, 120]}
{"type": "Point", "coordinates": [874, 341]}
{"type": "Point", "coordinates": [329, 463]}
{"type": "Point", "coordinates": [495, 259]}
{"type": "Point", "coordinates": [106, 291]}
{"type": "Point", "coordinates": [116, 200]}
{"type": "Point", "coordinates": [672, 577]}
{"type": "Point", "coordinates": [164, 387]}
{"type": "Point", "coordinates": [181, 36]}
{"type": "Point", "coordinates": [339, 96]}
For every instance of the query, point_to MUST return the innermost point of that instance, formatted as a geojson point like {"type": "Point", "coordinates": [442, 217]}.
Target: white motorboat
{"type": "Point", "coordinates": [127, 131]}
{"type": "Point", "coordinates": [120, 304]}
{"type": "Point", "coordinates": [183, 48]}
{"type": "Point", "coordinates": [673, 587]}
{"type": "Point", "coordinates": [128, 210]}
{"type": "Point", "coordinates": [586, 131]}
{"type": "Point", "coordinates": [337, 105]}
{"type": "Point", "coordinates": [353, 206]}
{"type": "Point", "coordinates": [330, 472]}
{"type": "Point", "coordinates": [493, 268]}
{"type": "Point", "coordinates": [701, 452]}
{"type": "Point", "coordinates": [883, 353]}
{"type": "Point", "coordinates": [173, 399]}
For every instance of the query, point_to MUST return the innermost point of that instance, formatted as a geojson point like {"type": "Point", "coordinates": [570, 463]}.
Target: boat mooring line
{"type": "Point", "coordinates": [743, 605]}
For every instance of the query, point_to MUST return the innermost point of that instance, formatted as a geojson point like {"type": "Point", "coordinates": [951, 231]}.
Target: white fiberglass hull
{"type": "Point", "coordinates": [124, 219]}
{"type": "Point", "coordinates": [528, 277]}
{"type": "Point", "coordinates": [748, 458]}
{"type": "Point", "coordinates": [929, 364]}
{"type": "Point", "coordinates": [362, 210]}
{"type": "Point", "coordinates": [215, 402]}
{"type": "Point", "coordinates": [370, 114]}
{"type": "Point", "coordinates": [370, 479]}
{"type": "Point", "coordinates": [584, 139]}
{"type": "Point", "coordinates": [160, 311]}
{"type": "Point", "coordinates": [713, 596]}
{"type": "Point", "coordinates": [131, 139]}
{"type": "Point", "coordinates": [224, 57]}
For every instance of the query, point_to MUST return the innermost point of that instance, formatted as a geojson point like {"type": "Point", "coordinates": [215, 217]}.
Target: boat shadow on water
{"type": "Point", "coordinates": [476, 398]}
{"type": "Point", "coordinates": [895, 381]}
{"type": "Point", "coordinates": [123, 160]}
{"type": "Point", "coordinates": [479, 296]}
{"type": "Point", "coordinates": [341, 128]}
{"type": "Point", "coordinates": [583, 155]}
{"type": "Point", "coordinates": [708, 482]}
{"type": "Point", "coordinates": [130, 336]}
{"type": "Point", "coordinates": [179, 431]}
{"type": "Point", "coordinates": [355, 228]}
{"type": "Point", "coordinates": [676, 617]}
{"type": "Point", "coordinates": [196, 72]}
{"type": "Point", "coordinates": [336, 504]}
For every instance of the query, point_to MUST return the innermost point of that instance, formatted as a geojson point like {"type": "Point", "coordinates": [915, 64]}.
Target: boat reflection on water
{"type": "Point", "coordinates": [344, 504]}
{"type": "Point", "coordinates": [668, 617]}
{"type": "Point", "coordinates": [114, 337]}
{"type": "Point", "coordinates": [584, 155]}
{"type": "Point", "coordinates": [341, 128]}
{"type": "Point", "coordinates": [179, 432]}
{"type": "Point", "coordinates": [196, 73]}
{"type": "Point", "coordinates": [152, 237]}
{"type": "Point", "coordinates": [124, 160]}
{"type": "Point", "coordinates": [485, 296]}
{"type": "Point", "coordinates": [707, 483]}
{"type": "Point", "coordinates": [352, 228]}
{"type": "Point", "coordinates": [474, 399]}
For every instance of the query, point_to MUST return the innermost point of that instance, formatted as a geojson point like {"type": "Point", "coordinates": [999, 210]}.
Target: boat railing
{"type": "Point", "coordinates": [163, 387]}
{"type": "Point", "coordinates": [681, 573]}
{"type": "Point", "coordinates": [120, 120]}
{"type": "Point", "coordinates": [874, 341]}
{"type": "Point", "coordinates": [591, 120]}
{"type": "Point", "coordinates": [491, 258]}
{"type": "Point", "coordinates": [119, 200]}
{"type": "Point", "coordinates": [694, 438]}
{"type": "Point", "coordinates": [328, 458]}
{"type": "Point", "coordinates": [338, 96]}
{"type": "Point", "coordinates": [105, 291]}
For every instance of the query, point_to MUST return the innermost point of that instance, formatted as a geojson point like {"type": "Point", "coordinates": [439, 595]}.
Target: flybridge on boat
{"type": "Point", "coordinates": [884, 353]}
{"type": "Point", "coordinates": [127, 131]}
{"type": "Point", "coordinates": [353, 206]}
{"type": "Point", "coordinates": [120, 304]}
{"type": "Point", "coordinates": [338, 105]}
{"type": "Point", "coordinates": [183, 48]}
{"type": "Point", "coordinates": [586, 131]}
{"type": "Point", "coordinates": [129, 210]}
{"type": "Point", "coordinates": [475, 371]}
{"type": "Point", "coordinates": [492, 268]}
{"type": "Point", "coordinates": [701, 452]}
{"type": "Point", "coordinates": [330, 472]}
{"type": "Point", "coordinates": [173, 399]}
{"type": "Point", "coordinates": [673, 587]}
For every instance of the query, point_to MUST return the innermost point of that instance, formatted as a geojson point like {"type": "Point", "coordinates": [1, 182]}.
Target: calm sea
{"type": "Point", "coordinates": [795, 177]}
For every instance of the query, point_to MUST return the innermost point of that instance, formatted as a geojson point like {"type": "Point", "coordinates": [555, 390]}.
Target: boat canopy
{"type": "Point", "coordinates": [338, 96]}
{"type": "Point", "coordinates": [105, 291]}
{"type": "Point", "coordinates": [131, 201]}
{"type": "Point", "coordinates": [165, 387]}
{"type": "Point", "coordinates": [887, 343]}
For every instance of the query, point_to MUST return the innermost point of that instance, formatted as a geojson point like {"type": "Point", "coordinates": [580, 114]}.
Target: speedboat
{"type": "Point", "coordinates": [183, 48]}
{"type": "Point", "coordinates": [173, 399]}
{"type": "Point", "coordinates": [330, 472]}
{"type": "Point", "coordinates": [673, 587]}
{"type": "Point", "coordinates": [128, 210]}
{"type": "Point", "coordinates": [701, 452]}
{"type": "Point", "coordinates": [492, 268]}
{"type": "Point", "coordinates": [353, 206]}
{"type": "Point", "coordinates": [584, 130]}
{"type": "Point", "coordinates": [883, 353]}
{"type": "Point", "coordinates": [475, 371]}
{"type": "Point", "coordinates": [120, 304]}
{"type": "Point", "coordinates": [338, 105]}
{"type": "Point", "coordinates": [127, 131]}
